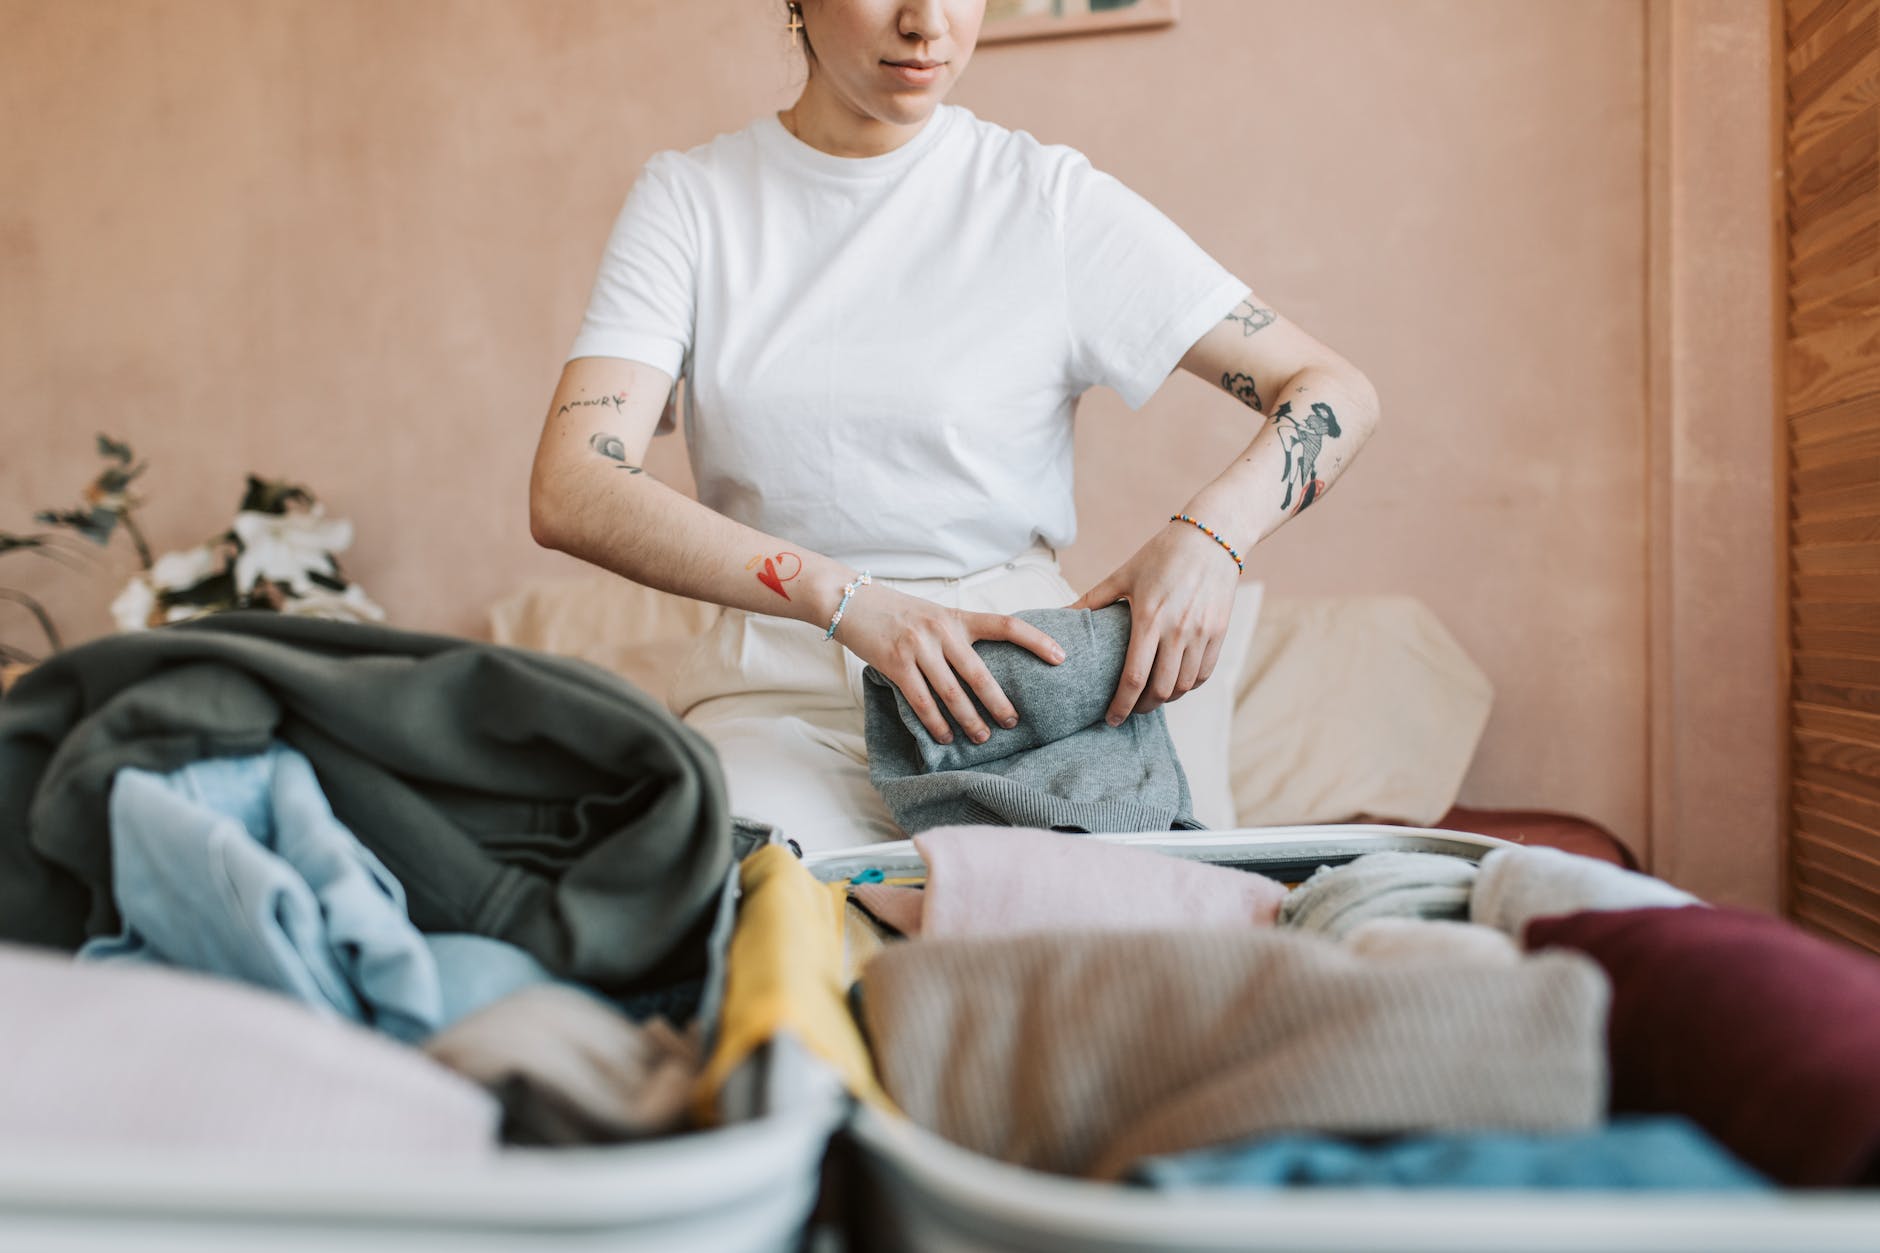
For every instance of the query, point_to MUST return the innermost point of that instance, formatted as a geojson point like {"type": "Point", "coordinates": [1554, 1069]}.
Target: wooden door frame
{"type": "Point", "coordinates": [1716, 609]}
{"type": "Point", "coordinates": [1778, 408]}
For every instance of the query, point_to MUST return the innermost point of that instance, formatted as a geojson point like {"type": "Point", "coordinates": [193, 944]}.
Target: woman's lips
{"type": "Point", "coordinates": [910, 74]}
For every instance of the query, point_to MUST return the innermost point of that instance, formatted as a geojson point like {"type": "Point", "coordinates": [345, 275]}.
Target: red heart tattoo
{"type": "Point", "coordinates": [769, 577]}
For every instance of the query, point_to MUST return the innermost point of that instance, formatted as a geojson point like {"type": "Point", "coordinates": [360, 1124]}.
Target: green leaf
{"type": "Point", "coordinates": [95, 525]}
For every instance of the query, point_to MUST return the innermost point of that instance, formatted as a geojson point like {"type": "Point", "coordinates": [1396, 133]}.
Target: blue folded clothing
{"type": "Point", "coordinates": [1628, 1153]}
{"type": "Point", "coordinates": [236, 866]}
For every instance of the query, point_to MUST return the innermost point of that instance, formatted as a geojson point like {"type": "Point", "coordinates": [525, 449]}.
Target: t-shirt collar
{"type": "Point", "coordinates": [777, 137]}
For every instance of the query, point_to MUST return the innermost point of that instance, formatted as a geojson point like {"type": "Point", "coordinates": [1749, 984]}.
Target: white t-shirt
{"type": "Point", "coordinates": [883, 355]}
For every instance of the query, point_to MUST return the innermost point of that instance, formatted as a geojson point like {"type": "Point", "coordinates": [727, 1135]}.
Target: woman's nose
{"type": "Point", "coordinates": [924, 18]}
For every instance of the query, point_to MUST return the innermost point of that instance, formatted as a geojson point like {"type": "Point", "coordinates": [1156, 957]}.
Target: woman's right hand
{"type": "Point", "coordinates": [926, 648]}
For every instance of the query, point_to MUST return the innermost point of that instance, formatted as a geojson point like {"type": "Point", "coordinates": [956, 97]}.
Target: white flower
{"type": "Point", "coordinates": [174, 572]}
{"type": "Point", "coordinates": [352, 605]}
{"type": "Point", "coordinates": [131, 610]}
{"type": "Point", "coordinates": [284, 547]}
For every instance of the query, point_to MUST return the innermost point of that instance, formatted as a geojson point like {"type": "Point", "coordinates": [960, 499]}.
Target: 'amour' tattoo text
{"type": "Point", "coordinates": [614, 402]}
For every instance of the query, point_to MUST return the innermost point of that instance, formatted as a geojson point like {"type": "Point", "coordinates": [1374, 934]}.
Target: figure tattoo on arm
{"type": "Point", "coordinates": [1251, 317]}
{"type": "Point", "coordinates": [1303, 438]}
{"type": "Point", "coordinates": [611, 447]}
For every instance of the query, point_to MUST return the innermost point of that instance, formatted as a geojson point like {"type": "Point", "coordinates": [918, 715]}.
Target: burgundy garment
{"type": "Point", "coordinates": [1766, 1036]}
{"type": "Point", "coordinates": [1544, 827]}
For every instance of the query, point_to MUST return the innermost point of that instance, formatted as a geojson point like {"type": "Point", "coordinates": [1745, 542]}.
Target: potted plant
{"type": "Point", "coordinates": [279, 553]}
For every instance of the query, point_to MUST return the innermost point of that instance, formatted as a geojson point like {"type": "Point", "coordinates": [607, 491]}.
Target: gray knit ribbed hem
{"type": "Point", "coordinates": [980, 797]}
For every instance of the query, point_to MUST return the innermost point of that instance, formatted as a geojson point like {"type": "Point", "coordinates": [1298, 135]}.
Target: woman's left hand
{"type": "Point", "coordinates": [1180, 588]}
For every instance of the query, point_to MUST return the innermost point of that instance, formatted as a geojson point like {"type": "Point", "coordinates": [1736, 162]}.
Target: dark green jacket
{"type": "Point", "coordinates": [537, 799]}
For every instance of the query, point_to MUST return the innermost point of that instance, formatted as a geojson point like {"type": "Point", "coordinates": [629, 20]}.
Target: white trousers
{"type": "Point", "coordinates": [783, 706]}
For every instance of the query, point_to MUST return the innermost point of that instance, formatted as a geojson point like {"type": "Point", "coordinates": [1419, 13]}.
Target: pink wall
{"type": "Point", "coordinates": [349, 242]}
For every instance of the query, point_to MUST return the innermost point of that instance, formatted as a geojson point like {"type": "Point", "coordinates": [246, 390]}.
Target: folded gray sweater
{"type": "Point", "coordinates": [1062, 767]}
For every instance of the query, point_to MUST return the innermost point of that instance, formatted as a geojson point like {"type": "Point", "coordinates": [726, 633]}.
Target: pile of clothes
{"type": "Point", "coordinates": [420, 894]}
{"type": "Point", "coordinates": [446, 860]}
{"type": "Point", "coordinates": [1537, 1019]}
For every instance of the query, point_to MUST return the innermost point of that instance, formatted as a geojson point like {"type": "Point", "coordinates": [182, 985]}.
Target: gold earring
{"type": "Point", "coordinates": [796, 23]}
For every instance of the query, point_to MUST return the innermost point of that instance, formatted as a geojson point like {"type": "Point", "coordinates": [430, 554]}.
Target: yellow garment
{"type": "Point", "coordinates": [786, 976]}
{"type": "Point", "coordinates": [862, 938]}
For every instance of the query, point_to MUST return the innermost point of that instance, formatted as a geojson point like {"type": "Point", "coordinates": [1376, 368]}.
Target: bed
{"type": "Point", "coordinates": [1321, 709]}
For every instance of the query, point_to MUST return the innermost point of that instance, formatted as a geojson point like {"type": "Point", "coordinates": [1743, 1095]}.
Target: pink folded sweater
{"type": "Point", "coordinates": [989, 880]}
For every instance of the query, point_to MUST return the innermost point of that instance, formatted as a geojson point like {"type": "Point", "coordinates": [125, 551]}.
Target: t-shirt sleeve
{"type": "Point", "coordinates": [641, 305]}
{"type": "Point", "coordinates": [1140, 290]}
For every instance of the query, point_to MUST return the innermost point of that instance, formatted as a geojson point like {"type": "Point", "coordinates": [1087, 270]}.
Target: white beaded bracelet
{"type": "Point", "coordinates": [848, 590]}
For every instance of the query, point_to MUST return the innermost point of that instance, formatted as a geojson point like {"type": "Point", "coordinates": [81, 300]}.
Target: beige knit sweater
{"type": "Point", "coordinates": [1081, 1052]}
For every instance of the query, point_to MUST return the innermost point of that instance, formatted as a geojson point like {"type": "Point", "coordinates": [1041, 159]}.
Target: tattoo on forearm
{"type": "Point", "coordinates": [1251, 317]}
{"type": "Point", "coordinates": [771, 575]}
{"type": "Point", "coordinates": [615, 401]}
{"type": "Point", "coordinates": [610, 446]}
{"type": "Point", "coordinates": [1303, 438]}
{"type": "Point", "coordinates": [1243, 389]}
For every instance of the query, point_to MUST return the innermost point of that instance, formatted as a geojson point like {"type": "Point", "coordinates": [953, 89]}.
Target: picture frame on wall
{"type": "Point", "coordinates": [1037, 19]}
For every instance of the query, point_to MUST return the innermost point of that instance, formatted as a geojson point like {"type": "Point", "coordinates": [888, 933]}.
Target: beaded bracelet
{"type": "Point", "coordinates": [1238, 563]}
{"type": "Point", "coordinates": [848, 590]}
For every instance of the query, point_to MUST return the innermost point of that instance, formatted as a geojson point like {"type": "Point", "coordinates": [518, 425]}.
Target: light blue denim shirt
{"type": "Point", "coordinates": [237, 866]}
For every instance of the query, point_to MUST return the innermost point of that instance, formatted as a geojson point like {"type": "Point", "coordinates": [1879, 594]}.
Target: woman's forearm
{"type": "Point", "coordinates": [637, 527]}
{"type": "Point", "coordinates": [1314, 428]}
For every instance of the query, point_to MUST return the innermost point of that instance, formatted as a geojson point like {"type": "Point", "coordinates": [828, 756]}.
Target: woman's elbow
{"type": "Point", "coordinates": [1365, 393]}
{"type": "Point", "coordinates": [540, 532]}
{"type": "Point", "coordinates": [545, 523]}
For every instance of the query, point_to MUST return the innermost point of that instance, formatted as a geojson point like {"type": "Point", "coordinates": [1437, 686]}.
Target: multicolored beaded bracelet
{"type": "Point", "coordinates": [1238, 563]}
{"type": "Point", "coordinates": [848, 590]}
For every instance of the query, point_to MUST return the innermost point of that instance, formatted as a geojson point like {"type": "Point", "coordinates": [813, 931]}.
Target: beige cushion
{"type": "Point", "coordinates": [1350, 706]}
{"type": "Point", "coordinates": [636, 631]}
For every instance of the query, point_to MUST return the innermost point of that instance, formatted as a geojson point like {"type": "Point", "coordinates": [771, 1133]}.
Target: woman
{"type": "Point", "coordinates": [885, 309]}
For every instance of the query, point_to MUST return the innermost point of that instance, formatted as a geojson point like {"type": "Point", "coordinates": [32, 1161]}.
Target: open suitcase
{"type": "Point", "coordinates": [751, 1183]}
{"type": "Point", "coordinates": [903, 1188]}
{"type": "Point", "coordinates": [747, 1186]}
